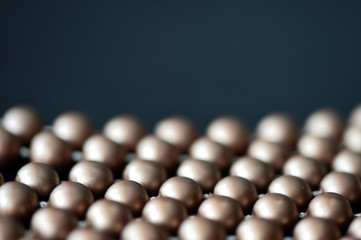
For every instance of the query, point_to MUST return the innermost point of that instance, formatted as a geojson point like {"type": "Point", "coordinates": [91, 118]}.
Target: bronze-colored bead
{"type": "Point", "coordinates": [53, 223]}
{"type": "Point", "coordinates": [9, 147]}
{"type": "Point", "coordinates": [17, 200]}
{"type": "Point", "coordinates": [230, 132]}
{"type": "Point", "coordinates": [23, 122]}
{"type": "Point", "coordinates": [178, 131]}
{"type": "Point", "coordinates": [125, 130]}
{"type": "Point", "coordinates": [94, 175]}
{"type": "Point", "coordinates": [40, 177]}
{"type": "Point", "coordinates": [108, 216]}
{"type": "Point", "coordinates": [208, 150]}
{"type": "Point", "coordinates": [129, 193]}
{"type": "Point", "coordinates": [46, 148]}
{"type": "Point", "coordinates": [201, 228]}
{"type": "Point", "coordinates": [73, 197]}
{"type": "Point", "coordinates": [142, 230]}
{"type": "Point", "coordinates": [73, 128]}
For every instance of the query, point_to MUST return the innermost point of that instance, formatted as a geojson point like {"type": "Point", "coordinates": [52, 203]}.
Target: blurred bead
{"type": "Point", "coordinates": [18, 201]}
{"type": "Point", "coordinates": [82, 233]}
{"type": "Point", "coordinates": [310, 170]}
{"type": "Point", "coordinates": [193, 228]}
{"type": "Point", "coordinates": [184, 189]}
{"type": "Point", "coordinates": [311, 228]}
{"type": "Point", "coordinates": [40, 177]}
{"type": "Point", "coordinates": [125, 130]}
{"type": "Point", "coordinates": [108, 216]}
{"type": "Point", "coordinates": [73, 128]}
{"type": "Point", "coordinates": [316, 148]}
{"type": "Point", "coordinates": [259, 229]}
{"type": "Point", "coordinates": [230, 132]}
{"type": "Point", "coordinates": [165, 212]}
{"type": "Point", "coordinates": [270, 153]}
{"type": "Point", "coordinates": [94, 175]}
{"type": "Point", "coordinates": [345, 184]}
{"type": "Point", "coordinates": [46, 148]}
{"type": "Point", "coordinates": [325, 123]}
{"type": "Point", "coordinates": [150, 175]}
{"type": "Point", "coordinates": [239, 189]}
{"type": "Point", "coordinates": [142, 230]}
{"type": "Point", "coordinates": [154, 149]}
{"type": "Point", "coordinates": [10, 229]}
{"type": "Point", "coordinates": [278, 128]}
{"type": "Point", "coordinates": [178, 131]}
{"type": "Point", "coordinates": [223, 210]}
{"type": "Point", "coordinates": [100, 149]}
{"type": "Point", "coordinates": [53, 223]}
{"type": "Point", "coordinates": [257, 172]}
{"type": "Point", "coordinates": [206, 174]}
{"type": "Point", "coordinates": [9, 148]}
{"type": "Point", "coordinates": [293, 187]}
{"type": "Point", "coordinates": [352, 139]}
{"type": "Point", "coordinates": [129, 193]}
{"type": "Point", "coordinates": [22, 122]}
{"type": "Point", "coordinates": [277, 207]}
{"type": "Point", "coordinates": [208, 150]}
{"type": "Point", "coordinates": [331, 206]}
{"type": "Point", "coordinates": [73, 197]}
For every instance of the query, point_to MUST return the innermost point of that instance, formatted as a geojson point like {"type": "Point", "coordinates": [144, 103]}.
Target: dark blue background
{"type": "Point", "coordinates": [196, 58]}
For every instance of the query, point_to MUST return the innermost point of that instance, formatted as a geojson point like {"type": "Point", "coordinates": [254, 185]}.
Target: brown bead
{"type": "Point", "coordinates": [17, 200]}
{"type": "Point", "coordinates": [239, 189]}
{"type": "Point", "coordinates": [10, 229]}
{"type": "Point", "coordinates": [165, 212]}
{"type": "Point", "coordinates": [230, 132]}
{"type": "Point", "coordinates": [125, 130]}
{"type": "Point", "coordinates": [331, 206]}
{"type": "Point", "coordinates": [84, 233]}
{"type": "Point", "coordinates": [257, 172]}
{"type": "Point", "coordinates": [316, 148]}
{"type": "Point", "coordinates": [293, 187]}
{"type": "Point", "coordinates": [150, 175]}
{"type": "Point", "coordinates": [352, 139]}
{"type": "Point", "coordinates": [267, 152]}
{"type": "Point", "coordinates": [73, 197]}
{"type": "Point", "coordinates": [277, 207]}
{"type": "Point", "coordinates": [9, 147]}
{"type": "Point", "coordinates": [259, 229]}
{"type": "Point", "coordinates": [311, 228]}
{"type": "Point", "coordinates": [108, 216]}
{"type": "Point", "coordinates": [22, 122]}
{"type": "Point", "coordinates": [208, 150]}
{"type": "Point", "coordinates": [278, 128]}
{"type": "Point", "coordinates": [184, 189]}
{"type": "Point", "coordinates": [178, 131]}
{"type": "Point", "coordinates": [347, 237]}
{"type": "Point", "coordinates": [2, 181]}
{"type": "Point", "coordinates": [142, 230]}
{"type": "Point", "coordinates": [94, 175]}
{"type": "Point", "coordinates": [53, 223]}
{"type": "Point", "coordinates": [198, 227]}
{"type": "Point", "coordinates": [73, 128]}
{"type": "Point", "coordinates": [99, 148]}
{"type": "Point", "coordinates": [325, 123]}
{"type": "Point", "coordinates": [154, 149]}
{"type": "Point", "coordinates": [130, 193]}
{"type": "Point", "coordinates": [223, 210]}
{"type": "Point", "coordinates": [206, 174]}
{"type": "Point", "coordinates": [347, 161]}
{"type": "Point", "coordinates": [46, 148]}
{"type": "Point", "coordinates": [40, 177]}
{"type": "Point", "coordinates": [345, 184]}
{"type": "Point", "coordinates": [355, 116]}
{"type": "Point", "coordinates": [310, 170]}
{"type": "Point", "coordinates": [354, 229]}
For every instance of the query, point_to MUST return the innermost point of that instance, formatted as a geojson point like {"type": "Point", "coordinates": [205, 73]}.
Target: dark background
{"type": "Point", "coordinates": [198, 58]}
